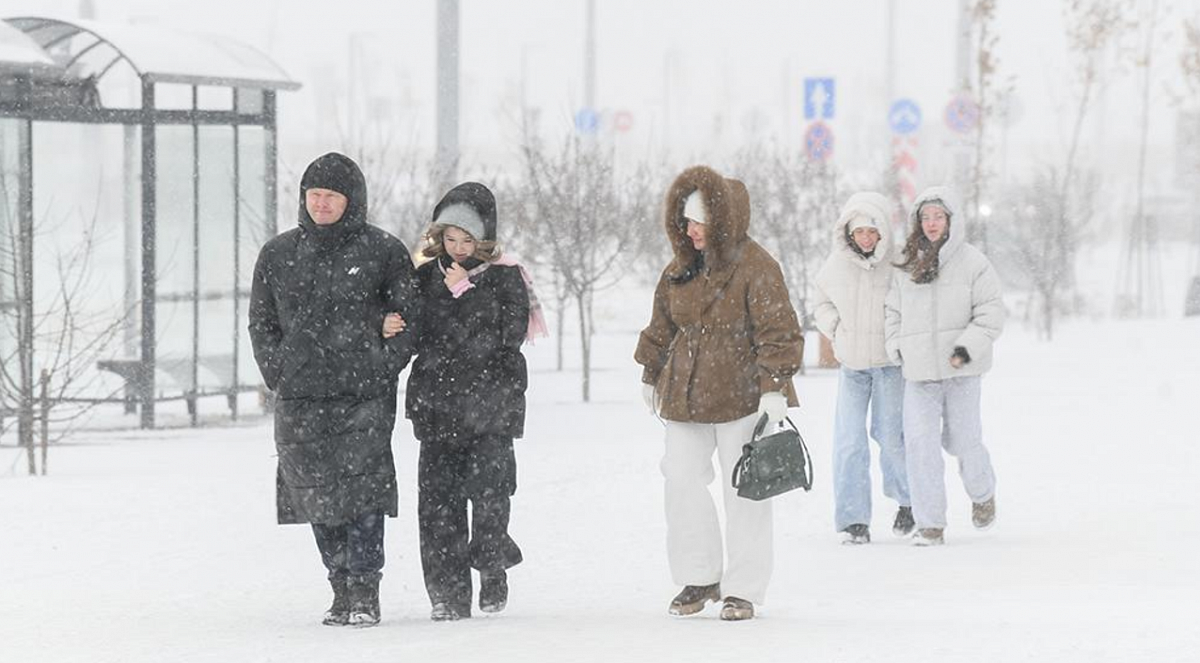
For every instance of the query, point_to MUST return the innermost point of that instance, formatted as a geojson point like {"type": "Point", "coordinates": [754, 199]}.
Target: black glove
{"type": "Point", "coordinates": [961, 353]}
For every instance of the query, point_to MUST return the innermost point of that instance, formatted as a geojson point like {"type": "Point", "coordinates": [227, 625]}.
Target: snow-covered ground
{"type": "Point", "coordinates": [162, 546]}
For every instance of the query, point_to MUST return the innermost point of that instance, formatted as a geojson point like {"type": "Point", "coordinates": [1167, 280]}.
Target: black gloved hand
{"type": "Point", "coordinates": [961, 354]}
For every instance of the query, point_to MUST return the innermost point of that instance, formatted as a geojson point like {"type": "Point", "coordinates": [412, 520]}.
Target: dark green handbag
{"type": "Point", "coordinates": [774, 464]}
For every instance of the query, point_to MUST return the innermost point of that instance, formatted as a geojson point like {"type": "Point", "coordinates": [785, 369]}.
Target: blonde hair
{"type": "Point", "coordinates": [485, 250]}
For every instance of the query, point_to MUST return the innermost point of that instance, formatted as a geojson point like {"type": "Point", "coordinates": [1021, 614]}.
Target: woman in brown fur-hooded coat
{"type": "Point", "coordinates": [719, 353]}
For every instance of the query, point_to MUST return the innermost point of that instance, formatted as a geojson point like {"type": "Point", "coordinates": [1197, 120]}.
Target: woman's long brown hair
{"type": "Point", "coordinates": [921, 255]}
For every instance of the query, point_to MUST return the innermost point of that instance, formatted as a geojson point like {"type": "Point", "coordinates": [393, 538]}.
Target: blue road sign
{"type": "Point", "coordinates": [904, 117]}
{"type": "Point", "coordinates": [818, 98]}
{"type": "Point", "coordinates": [818, 141]}
{"type": "Point", "coordinates": [587, 121]}
{"type": "Point", "coordinates": [962, 114]}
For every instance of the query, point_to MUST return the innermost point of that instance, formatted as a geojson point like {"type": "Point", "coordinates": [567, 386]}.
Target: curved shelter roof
{"type": "Point", "coordinates": [90, 49]}
{"type": "Point", "coordinates": [20, 54]}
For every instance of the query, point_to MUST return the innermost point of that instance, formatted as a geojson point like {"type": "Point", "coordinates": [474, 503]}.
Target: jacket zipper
{"type": "Point", "coordinates": [933, 294]}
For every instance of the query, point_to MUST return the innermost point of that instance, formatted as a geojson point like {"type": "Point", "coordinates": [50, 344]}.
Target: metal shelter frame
{"type": "Point", "coordinates": [64, 87]}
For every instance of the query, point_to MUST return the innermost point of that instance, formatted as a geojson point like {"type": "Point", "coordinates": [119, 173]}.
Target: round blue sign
{"type": "Point", "coordinates": [587, 121]}
{"type": "Point", "coordinates": [904, 117]}
{"type": "Point", "coordinates": [818, 141]}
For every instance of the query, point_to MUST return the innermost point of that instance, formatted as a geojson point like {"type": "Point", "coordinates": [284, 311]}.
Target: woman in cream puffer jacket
{"type": "Point", "coordinates": [944, 312]}
{"type": "Point", "coordinates": [849, 310]}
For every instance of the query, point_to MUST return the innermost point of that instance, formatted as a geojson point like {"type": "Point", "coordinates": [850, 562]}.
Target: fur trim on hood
{"type": "Point", "coordinates": [879, 209]}
{"type": "Point", "coordinates": [728, 206]}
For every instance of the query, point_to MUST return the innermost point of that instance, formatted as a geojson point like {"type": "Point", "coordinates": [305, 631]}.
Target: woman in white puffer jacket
{"type": "Point", "coordinates": [849, 310]}
{"type": "Point", "coordinates": [944, 312]}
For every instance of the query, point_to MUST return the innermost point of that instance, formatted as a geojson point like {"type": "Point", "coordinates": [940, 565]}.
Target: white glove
{"type": "Point", "coordinates": [774, 405]}
{"type": "Point", "coordinates": [648, 396]}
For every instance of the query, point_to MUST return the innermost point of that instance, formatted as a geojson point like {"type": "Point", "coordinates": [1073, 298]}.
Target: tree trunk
{"type": "Point", "coordinates": [45, 397]}
{"type": "Point", "coordinates": [561, 323]}
{"type": "Point", "coordinates": [585, 339]}
{"type": "Point", "coordinates": [1048, 314]}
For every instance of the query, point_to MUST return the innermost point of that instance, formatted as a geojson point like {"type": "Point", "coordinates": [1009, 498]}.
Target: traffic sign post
{"type": "Point", "coordinates": [904, 117]}
{"type": "Point", "coordinates": [818, 98]}
{"type": "Point", "coordinates": [818, 141]}
{"type": "Point", "coordinates": [587, 121]}
{"type": "Point", "coordinates": [962, 114]}
{"type": "Point", "coordinates": [622, 121]}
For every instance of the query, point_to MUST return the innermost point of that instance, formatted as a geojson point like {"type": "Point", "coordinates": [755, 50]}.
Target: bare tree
{"type": "Point", "coordinates": [1189, 57]}
{"type": "Point", "coordinates": [793, 202]}
{"type": "Point", "coordinates": [1140, 288]}
{"type": "Point", "coordinates": [1189, 63]}
{"type": "Point", "coordinates": [1038, 260]}
{"type": "Point", "coordinates": [67, 340]}
{"type": "Point", "coordinates": [988, 93]}
{"type": "Point", "coordinates": [1096, 30]}
{"type": "Point", "coordinates": [524, 242]}
{"type": "Point", "coordinates": [585, 220]}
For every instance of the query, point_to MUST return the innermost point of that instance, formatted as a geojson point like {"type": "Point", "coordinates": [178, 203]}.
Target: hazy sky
{"type": "Point", "coordinates": [700, 76]}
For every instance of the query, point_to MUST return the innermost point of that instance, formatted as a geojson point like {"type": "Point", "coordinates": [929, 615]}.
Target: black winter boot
{"type": "Point", "coordinates": [338, 613]}
{"type": "Point", "coordinates": [364, 600]}
{"type": "Point", "coordinates": [904, 523]}
{"type": "Point", "coordinates": [493, 590]}
{"type": "Point", "coordinates": [449, 612]}
{"type": "Point", "coordinates": [856, 535]}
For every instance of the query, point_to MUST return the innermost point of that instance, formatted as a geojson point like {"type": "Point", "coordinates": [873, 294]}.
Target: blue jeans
{"type": "Point", "coordinates": [882, 389]}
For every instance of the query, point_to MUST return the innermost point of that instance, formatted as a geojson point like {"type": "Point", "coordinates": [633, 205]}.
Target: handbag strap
{"type": "Point", "coordinates": [808, 465]}
{"type": "Point", "coordinates": [739, 468]}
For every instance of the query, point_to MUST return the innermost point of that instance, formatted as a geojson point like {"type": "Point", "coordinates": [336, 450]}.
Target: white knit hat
{"type": "Point", "coordinates": [693, 208]}
{"type": "Point", "coordinates": [860, 220]}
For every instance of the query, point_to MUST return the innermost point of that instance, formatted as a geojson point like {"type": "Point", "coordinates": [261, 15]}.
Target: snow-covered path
{"type": "Point", "coordinates": [162, 546]}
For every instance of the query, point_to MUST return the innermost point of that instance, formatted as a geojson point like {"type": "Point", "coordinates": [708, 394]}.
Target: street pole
{"type": "Point", "coordinates": [962, 75]}
{"type": "Point", "coordinates": [589, 56]}
{"type": "Point", "coordinates": [447, 90]}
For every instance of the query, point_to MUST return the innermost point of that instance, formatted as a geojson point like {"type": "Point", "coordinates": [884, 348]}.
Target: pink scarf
{"type": "Point", "coordinates": [537, 321]}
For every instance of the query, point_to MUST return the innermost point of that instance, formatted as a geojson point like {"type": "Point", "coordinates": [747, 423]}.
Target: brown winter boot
{"type": "Point", "coordinates": [693, 599]}
{"type": "Point", "coordinates": [736, 610]}
{"type": "Point", "coordinates": [929, 536]}
{"type": "Point", "coordinates": [983, 514]}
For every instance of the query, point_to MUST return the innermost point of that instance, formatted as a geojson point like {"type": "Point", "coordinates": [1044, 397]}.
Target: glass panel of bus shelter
{"type": "Point", "coordinates": [175, 239]}
{"type": "Point", "coordinates": [9, 172]}
{"type": "Point", "coordinates": [81, 203]}
{"type": "Point", "coordinates": [254, 229]}
{"type": "Point", "coordinates": [216, 98]}
{"type": "Point", "coordinates": [218, 200]}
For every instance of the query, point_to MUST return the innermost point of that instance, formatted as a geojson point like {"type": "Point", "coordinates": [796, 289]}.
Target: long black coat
{"type": "Point", "coordinates": [318, 301]}
{"type": "Point", "coordinates": [469, 377]}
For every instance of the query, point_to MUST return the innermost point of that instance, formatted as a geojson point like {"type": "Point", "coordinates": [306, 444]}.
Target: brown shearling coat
{"type": "Point", "coordinates": [716, 342]}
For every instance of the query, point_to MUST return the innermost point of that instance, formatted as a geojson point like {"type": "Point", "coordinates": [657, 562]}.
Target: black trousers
{"type": "Point", "coordinates": [353, 549]}
{"type": "Point", "coordinates": [482, 470]}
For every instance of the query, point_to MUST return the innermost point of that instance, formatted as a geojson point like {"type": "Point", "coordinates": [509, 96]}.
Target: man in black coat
{"type": "Point", "coordinates": [318, 301]}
